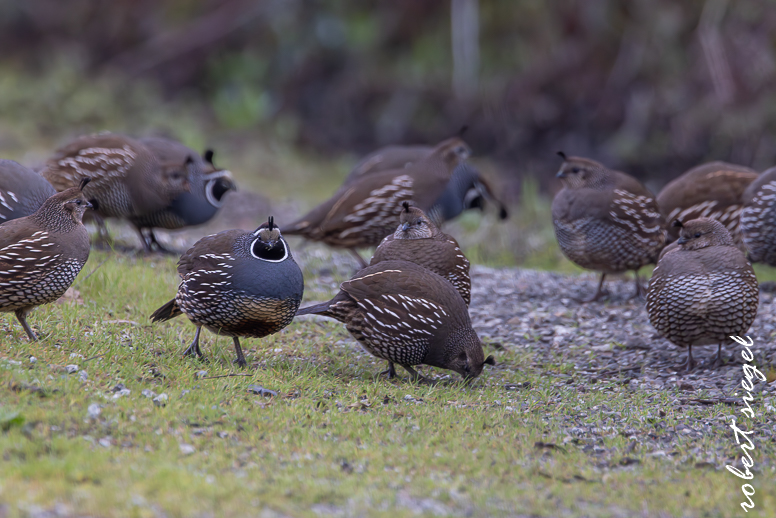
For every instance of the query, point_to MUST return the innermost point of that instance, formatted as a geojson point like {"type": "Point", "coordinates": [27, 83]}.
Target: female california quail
{"type": "Point", "coordinates": [605, 220]}
{"type": "Point", "coordinates": [196, 207]}
{"type": "Point", "coordinates": [710, 190]}
{"type": "Point", "coordinates": [758, 218]}
{"type": "Point", "coordinates": [406, 314]}
{"type": "Point", "coordinates": [418, 240]}
{"type": "Point", "coordinates": [361, 214]}
{"type": "Point", "coordinates": [703, 291]}
{"type": "Point", "coordinates": [466, 190]}
{"type": "Point", "coordinates": [22, 191]}
{"type": "Point", "coordinates": [127, 179]}
{"type": "Point", "coordinates": [237, 283]}
{"type": "Point", "coordinates": [41, 254]}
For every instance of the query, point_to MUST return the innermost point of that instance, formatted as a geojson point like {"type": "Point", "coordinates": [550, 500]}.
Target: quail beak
{"type": "Point", "coordinates": [682, 240]}
{"type": "Point", "coordinates": [404, 227]}
{"type": "Point", "coordinates": [88, 205]}
{"type": "Point", "coordinates": [561, 174]}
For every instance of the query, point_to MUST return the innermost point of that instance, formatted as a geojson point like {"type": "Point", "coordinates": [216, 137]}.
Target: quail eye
{"type": "Point", "coordinates": [78, 202]}
{"type": "Point", "coordinates": [575, 169]}
{"type": "Point", "coordinates": [697, 234]}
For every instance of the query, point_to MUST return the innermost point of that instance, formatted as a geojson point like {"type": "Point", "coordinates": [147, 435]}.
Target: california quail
{"type": "Point", "coordinates": [418, 240]}
{"type": "Point", "coordinates": [703, 291]}
{"type": "Point", "coordinates": [41, 254]}
{"type": "Point", "coordinates": [363, 213]}
{"type": "Point", "coordinates": [711, 190]}
{"type": "Point", "coordinates": [605, 220]}
{"type": "Point", "coordinates": [127, 179]}
{"type": "Point", "coordinates": [758, 218]}
{"type": "Point", "coordinates": [406, 314]}
{"type": "Point", "coordinates": [22, 191]}
{"type": "Point", "coordinates": [197, 207]}
{"type": "Point", "coordinates": [237, 283]}
{"type": "Point", "coordinates": [465, 190]}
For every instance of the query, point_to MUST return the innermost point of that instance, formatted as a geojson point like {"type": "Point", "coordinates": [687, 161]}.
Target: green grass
{"type": "Point", "coordinates": [336, 439]}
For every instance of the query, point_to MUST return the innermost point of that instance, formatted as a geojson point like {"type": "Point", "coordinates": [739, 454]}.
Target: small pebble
{"type": "Point", "coordinates": [105, 442]}
{"type": "Point", "coordinates": [187, 449]}
{"type": "Point", "coordinates": [94, 410]}
{"type": "Point", "coordinates": [71, 368]}
{"type": "Point", "coordinates": [148, 393]}
{"type": "Point", "coordinates": [201, 374]}
{"type": "Point", "coordinates": [83, 375]}
{"type": "Point", "coordinates": [33, 359]}
{"type": "Point", "coordinates": [160, 400]}
{"type": "Point", "coordinates": [261, 391]}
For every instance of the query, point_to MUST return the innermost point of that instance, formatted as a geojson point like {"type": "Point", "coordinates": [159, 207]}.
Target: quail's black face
{"type": "Point", "coordinates": [269, 244]}
{"type": "Point", "coordinates": [216, 186]}
{"type": "Point", "coordinates": [469, 364]}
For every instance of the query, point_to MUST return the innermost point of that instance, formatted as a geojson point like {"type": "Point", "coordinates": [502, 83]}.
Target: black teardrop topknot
{"type": "Point", "coordinates": [208, 156]}
{"type": "Point", "coordinates": [406, 206]}
{"type": "Point", "coordinates": [562, 155]}
{"type": "Point", "coordinates": [271, 223]}
{"type": "Point", "coordinates": [85, 180]}
{"type": "Point", "coordinates": [677, 224]}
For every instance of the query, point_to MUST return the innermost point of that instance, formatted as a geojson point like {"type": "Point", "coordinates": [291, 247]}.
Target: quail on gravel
{"type": "Point", "coordinates": [711, 190]}
{"type": "Point", "coordinates": [401, 312]}
{"type": "Point", "coordinates": [195, 207]}
{"type": "Point", "coordinates": [237, 283]}
{"type": "Point", "coordinates": [467, 189]}
{"type": "Point", "coordinates": [41, 254]}
{"type": "Point", "coordinates": [127, 179]}
{"type": "Point", "coordinates": [758, 218]}
{"type": "Point", "coordinates": [605, 220]}
{"type": "Point", "coordinates": [703, 291]}
{"type": "Point", "coordinates": [22, 191]}
{"type": "Point", "coordinates": [418, 240]}
{"type": "Point", "coordinates": [361, 214]}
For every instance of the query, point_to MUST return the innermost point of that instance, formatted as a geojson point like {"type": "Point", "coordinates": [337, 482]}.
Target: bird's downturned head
{"type": "Point", "coordinates": [701, 233]}
{"type": "Point", "coordinates": [414, 224]}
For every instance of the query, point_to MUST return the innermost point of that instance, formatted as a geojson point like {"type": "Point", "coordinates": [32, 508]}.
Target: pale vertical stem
{"type": "Point", "coordinates": [465, 34]}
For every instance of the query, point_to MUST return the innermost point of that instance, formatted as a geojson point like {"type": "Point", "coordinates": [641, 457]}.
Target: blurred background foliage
{"type": "Point", "coordinates": [652, 87]}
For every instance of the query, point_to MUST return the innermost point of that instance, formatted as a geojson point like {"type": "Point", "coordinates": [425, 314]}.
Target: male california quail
{"type": "Point", "coordinates": [127, 179]}
{"type": "Point", "coordinates": [711, 190]}
{"type": "Point", "coordinates": [465, 190]}
{"type": "Point", "coordinates": [703, 291]}
{"type": "Point", "coordinates": [41, 254]}
{"type": "Point", "coordinates": [22, 191]}
{"type": "Point", "coordinates": [758, 218]}
{"type": "Point", "coordinates": [406, 314]}
{"type": "Point", "coordinates": [605, 220]}
{"type": "Point", "coordinates": [237, 283]}
{"type": "Point", "coordinates": [197, 207]}
{"type": "Point", "coordinates": [361, 214]}
{"type": "Point", "coordinates": [418, 240]}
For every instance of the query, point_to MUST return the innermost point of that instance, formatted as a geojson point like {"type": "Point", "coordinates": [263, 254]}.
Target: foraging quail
{"type": "Point", "coordinates": [406, 314]}
{"type": "Point", "coordinates": [41, 254]}
{"type": "Point", "coordinates": [758, 218]}
{"type": "Point", "coordinates": [363, 213]}
{"type": "Point", "coordinates": [22, 191]}
{"type": "Point", "coordinates": [237, 283]}
{"type": "Point", "coordinates": [418, 240]}
{"type": "Point", "coordinates": [711, 190]}
{"type": "Point", "coordinates": [197, 207]}
{"type": "Point", "coordinates": [605, 220]}
{"type": "Point", "coordinates": [465, 190]}
{"type": "Point", "coordinates": [703, 291]}
{"type": "Point", "coordinates": [127, 179]}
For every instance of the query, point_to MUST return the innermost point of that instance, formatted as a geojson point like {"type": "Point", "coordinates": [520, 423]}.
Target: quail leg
{"type": "Point", "coordinates": [21, 316]}
{"type": "Point", "coordinates": [640, 290]}
{"type": "Point", "coordinates": [600, 292]}
{"type": "Point", "coordinates": [152, 241]}
{"type": "Point", "coordinates": [690, 364]}
{"type": "Point", "coordinates": [718, 361]}
{"type": "Point", "coordinates": [102, 231]}
{"type": "Point", "coordinates": [240, 356]}
{"type": "Point", "coordinates": [415, 375]}
{"type": "Point", "coordinates": [360, 259]}
{"type": "Point", "coordinates": [194, 347]}
{"type": "Point", "coordinates": [390, 371]}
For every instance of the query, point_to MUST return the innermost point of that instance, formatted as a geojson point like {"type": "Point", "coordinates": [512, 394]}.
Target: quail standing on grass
{"type": "Point", "coordinates": [406, 314]}
{"type": "Point", "coordinates": [362, 213]}
{"type": "Point", "coordinates": [704, 290]}
{"type": "Point", "coordinates": [127, 179]}
{"type": "Point", "coordinates": [237, 283]}
{"type": "Point", "coordinates": [758, 218]}
{"type": "Point", "coordinates": [712, 190]}
{"type": "Point", "coordinates": [22, 191]}
{"type": "Point", "coordinates": [41, 254]}
{"type": "Point", "coordinates": [208, 184]}
{"type": "Point", "coordinates": [466, 190]}
{"type": "Point", "coordinates": [605, 220]}
{"type": "Point", "coordinates": [418, 240]}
